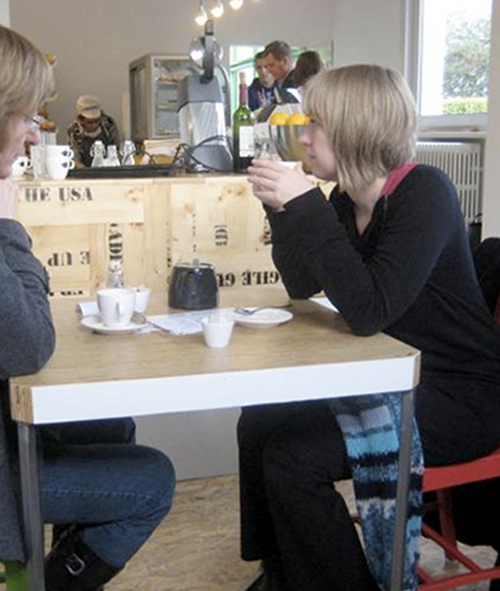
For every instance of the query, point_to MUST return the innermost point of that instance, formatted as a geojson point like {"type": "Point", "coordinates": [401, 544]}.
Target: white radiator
{"type": "Point", "coordinates": [463, 163]}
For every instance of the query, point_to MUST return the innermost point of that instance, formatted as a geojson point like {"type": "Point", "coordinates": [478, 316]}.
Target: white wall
{"type": "Point", "coordinates": [4, 13]}
{"type": "Point", "coordinates": [369, 32]}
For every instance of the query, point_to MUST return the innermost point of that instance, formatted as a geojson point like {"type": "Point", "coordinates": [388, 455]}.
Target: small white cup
{"type": "Point", "coordinates": [141, 299]}
{"type": "Point", "coordinates": [116, 306]}
{"type": "Point", "coordinates": [20, 166]}
{"type": "Point", "coordinates": [58, 150]}
{"type": "Point", "coordinates": [58, 166]}
{"type": "Point", "coordinates": [217, 330]}
{"type": "Point", "coordinates": [289, 163]}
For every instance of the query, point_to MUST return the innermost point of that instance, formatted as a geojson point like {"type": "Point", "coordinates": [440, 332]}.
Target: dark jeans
{"type": "Point", "coordinates": [116, 492]}
{"type": "Point", "coordinates": [290, 457]}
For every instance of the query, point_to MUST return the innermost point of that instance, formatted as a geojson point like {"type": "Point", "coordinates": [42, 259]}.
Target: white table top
{"type": "Point", "coordinates": [313, 356]}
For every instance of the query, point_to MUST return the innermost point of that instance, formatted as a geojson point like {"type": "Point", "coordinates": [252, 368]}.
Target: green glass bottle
{"type": "Point", "coordinates": [243, 130]}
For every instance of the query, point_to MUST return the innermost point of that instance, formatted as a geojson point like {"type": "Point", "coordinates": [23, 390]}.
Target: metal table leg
{"type": "Point", "coordinates": [402, 492]}
{"type": "Point", "coordinates": [32, 506]}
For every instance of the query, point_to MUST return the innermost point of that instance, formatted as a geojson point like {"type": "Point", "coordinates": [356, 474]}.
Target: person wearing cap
{"type": "Point", "coordinates": [91, 124]}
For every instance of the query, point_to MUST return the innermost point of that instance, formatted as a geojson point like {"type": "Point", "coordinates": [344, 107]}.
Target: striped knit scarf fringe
{"type": "Point", "coordinates": [370, 425]}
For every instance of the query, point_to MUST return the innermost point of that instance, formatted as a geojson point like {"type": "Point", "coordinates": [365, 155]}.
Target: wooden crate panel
{"type": "Point", "coordinates": [76, 257]}
{"type": "Point", "coordinates": [150, 224]}
{"type": "Point", "coordinates": [214, 219]}
{"type": "Point", "coordinates": [65, 252]}
{"type": "Point", "coordinates": [71, 204]}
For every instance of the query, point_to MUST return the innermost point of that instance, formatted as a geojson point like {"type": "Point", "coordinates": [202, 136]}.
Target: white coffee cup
{"type": "Point", "coordinates": [58, 166]}
{"type": "Point", "coordinates": [141, 299]}
{"type": "Point", "coordinates": [217, 330]}
{"type": "Point", "coordinates": [58, 150]}
{"type": "Point", "coordinates": [116, 306]}
{"type": "Point", "coordinates": [20, 166]}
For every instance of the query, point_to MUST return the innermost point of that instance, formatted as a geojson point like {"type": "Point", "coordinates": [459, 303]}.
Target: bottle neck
{"type": "Point", "coordinates": [243, 94]}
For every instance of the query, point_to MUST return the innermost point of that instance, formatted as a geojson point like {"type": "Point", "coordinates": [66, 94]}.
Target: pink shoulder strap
{"type": "Point", "coordinates": [395, 177]}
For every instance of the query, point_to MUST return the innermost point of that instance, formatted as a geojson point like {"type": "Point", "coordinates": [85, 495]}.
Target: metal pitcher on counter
{"type": "Point", "coordinates": [193, 286]}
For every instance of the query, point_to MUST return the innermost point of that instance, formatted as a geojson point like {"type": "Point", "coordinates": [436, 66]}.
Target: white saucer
{"type": "Point", "coordinates": [266, 318]}
{"type": "Point", "coordinates": [94, 322]}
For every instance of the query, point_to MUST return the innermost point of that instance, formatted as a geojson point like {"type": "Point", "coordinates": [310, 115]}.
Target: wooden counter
{"type": "Point", "coordinates": [151, 224]}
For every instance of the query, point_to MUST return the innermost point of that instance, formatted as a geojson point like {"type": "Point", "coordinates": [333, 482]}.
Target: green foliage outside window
{"type": "Point", "coordinates": [466, 80]}
{"type": "Point", "coordinates": [463, 105]}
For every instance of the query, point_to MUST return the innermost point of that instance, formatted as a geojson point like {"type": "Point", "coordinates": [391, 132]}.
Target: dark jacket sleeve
{"type": "Point", "coordinates": [313, 252]}
{"type": "Point", "coordinates": [26, 331]}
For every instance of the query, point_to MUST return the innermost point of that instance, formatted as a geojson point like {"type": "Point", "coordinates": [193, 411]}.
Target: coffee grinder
{"type": "Point", "coordinates": [201, 109]}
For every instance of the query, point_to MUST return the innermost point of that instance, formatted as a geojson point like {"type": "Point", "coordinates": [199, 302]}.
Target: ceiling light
{"type": "Point", "coordinates": [218, 10]}
{"type": "Point", "coordinates": [235, 4]}
{"type": "Point", "coordinates": [201, 18]}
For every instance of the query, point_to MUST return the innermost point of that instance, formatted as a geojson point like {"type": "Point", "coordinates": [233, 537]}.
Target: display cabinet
{"type": "Point", "coordinates": [153, 95]}
{"type": "Point", "coordinates": [153, 83]}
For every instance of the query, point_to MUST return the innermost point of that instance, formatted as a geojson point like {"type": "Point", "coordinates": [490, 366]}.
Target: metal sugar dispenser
{"type": "Point", "coordinates": [115, 274]}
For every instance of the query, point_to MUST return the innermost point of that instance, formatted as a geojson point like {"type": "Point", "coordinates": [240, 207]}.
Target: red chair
{"type": "Point", "coordinates": [441, 480]}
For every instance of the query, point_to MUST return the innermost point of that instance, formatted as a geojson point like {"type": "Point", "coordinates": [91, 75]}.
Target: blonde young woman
{"type": "Point", "coordinates": [389, 248]}
{"type": "Point", "coordinates": [105, 492]}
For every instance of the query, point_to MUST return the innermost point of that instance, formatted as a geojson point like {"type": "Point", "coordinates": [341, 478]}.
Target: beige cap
{"type": "Point", "coordinates": [88, 106]}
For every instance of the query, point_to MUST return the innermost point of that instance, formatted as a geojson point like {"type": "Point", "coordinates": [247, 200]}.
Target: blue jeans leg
{"type": "Point", "coordinates": [117, 494]}
{"type": "Point", "coordinates": [107, 431]}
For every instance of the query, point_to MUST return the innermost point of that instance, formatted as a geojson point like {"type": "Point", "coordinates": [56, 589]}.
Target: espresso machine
{"type": "Point", "coordinates": [202, 110]}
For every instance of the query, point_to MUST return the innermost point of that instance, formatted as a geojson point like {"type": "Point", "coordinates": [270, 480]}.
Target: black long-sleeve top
{"type": "Point", "coordinates": [411, 275]}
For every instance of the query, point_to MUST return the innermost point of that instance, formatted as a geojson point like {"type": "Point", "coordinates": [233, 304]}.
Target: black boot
{"type": "Point", "coordinates": [58, 531]}
{"type": "Point", "coordinates": [271, 577]}
{"type": "Point", "coordinates": [73, 566]}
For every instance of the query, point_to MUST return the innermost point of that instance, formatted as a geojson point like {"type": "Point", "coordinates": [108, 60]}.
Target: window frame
{"type": "Point", "coordinates": [413, 73]}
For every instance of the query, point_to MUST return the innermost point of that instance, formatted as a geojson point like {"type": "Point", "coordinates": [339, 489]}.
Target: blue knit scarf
{"type": "Point", "coordinates": [370, 425]}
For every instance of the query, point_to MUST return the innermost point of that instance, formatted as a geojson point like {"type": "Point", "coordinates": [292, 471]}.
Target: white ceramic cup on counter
{"type": "Point", "coordinates": [53, 150]}
{"type": "Point", "coordinates": [58, 166]}
{"type": "Point", "coordinates": [217, 330]}
{"type": "Point", "coordinates": [116, 306]}
{"type": "Point", "coordinates": [20, 166]}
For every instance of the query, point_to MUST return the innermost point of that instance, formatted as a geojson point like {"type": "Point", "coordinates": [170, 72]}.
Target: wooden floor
{"type": "Point", "coordinates": [197, 546]}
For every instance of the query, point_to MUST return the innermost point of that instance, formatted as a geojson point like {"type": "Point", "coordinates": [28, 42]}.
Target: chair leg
{"type": "Point", "coordinates": [446, 518]}
{"type": "Point", "coordinates": [16, 576]}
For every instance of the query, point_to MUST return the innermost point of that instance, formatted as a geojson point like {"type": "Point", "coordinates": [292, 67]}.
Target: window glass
{"type": "Point", "coordinates": [454, 57]}
{"type": "Point", "coordinates": [241, 60]}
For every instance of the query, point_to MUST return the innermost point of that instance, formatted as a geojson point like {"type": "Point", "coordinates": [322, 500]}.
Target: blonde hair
{"type": "Point", "coordinates": [26, 81]}
{"type": "Point", "coordinates": [370, 117]}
